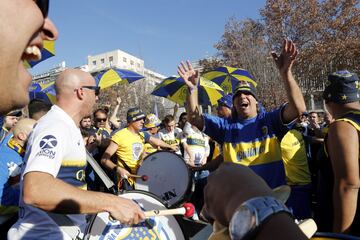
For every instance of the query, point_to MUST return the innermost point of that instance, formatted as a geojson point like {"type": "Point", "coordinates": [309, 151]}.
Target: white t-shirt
{"type": "Point", "coordinates": [171, 138]}
{"type": "Point", "coordinates": [55, 147]}
{"type": "Point", "coordinates": [197, 143]}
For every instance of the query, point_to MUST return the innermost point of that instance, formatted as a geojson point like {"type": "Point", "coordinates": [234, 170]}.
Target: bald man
{"type": "Point", "coordinates": [12, 151]}
{"type": "Point", "coordinates": [53, 180]}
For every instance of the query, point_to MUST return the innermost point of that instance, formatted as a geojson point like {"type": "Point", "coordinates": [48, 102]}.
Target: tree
{"type": "Point", "coordinates": [244, 45]}
{"type": "Point", "coordinates": [327, 34]}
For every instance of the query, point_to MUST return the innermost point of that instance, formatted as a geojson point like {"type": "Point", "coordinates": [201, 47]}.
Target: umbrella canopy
{"type": "Point", "coordinates": [175, 89]}
{"type": "Point", "coordinates": [45, 92]}
{"type": "Point", "coordinates": [228, 77]}
{"type": "Point", "coordinates": [115, 75]}
{"type": "Point", "coordinates": [47, 52]}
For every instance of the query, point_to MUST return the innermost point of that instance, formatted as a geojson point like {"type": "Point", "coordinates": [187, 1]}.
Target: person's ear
{"type": "Point", "coordinates": [22, 136]}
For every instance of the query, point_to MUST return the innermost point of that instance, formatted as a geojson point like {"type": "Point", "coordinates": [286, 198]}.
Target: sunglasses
{"type": "Point", "coordinates": [100, 119]}
{"type": "Point", "coordinates": [43, 6]}
{"type": "Point", "coordinates": [95, 88]}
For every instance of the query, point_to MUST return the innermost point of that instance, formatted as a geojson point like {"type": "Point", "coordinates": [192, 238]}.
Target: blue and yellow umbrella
{"type": "Point", "coordinates": [115, 75]}
{"type": "Point", "coordinates": [228, 77]}
{"type": "Point", "coordinates": [176, 90]}
{"type": "Point", "coordinates": [45, 92]}
{"type": "Point", "coordinates": [47, 52]}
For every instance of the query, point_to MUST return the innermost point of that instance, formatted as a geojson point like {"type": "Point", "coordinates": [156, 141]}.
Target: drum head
{"type": "Point", "coordinates": [160, 227]}
{"type": "Point", "coordinates": [168, 177]}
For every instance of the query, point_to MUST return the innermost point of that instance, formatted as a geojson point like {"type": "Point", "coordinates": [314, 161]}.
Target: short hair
{"type": "Point", "coordinates": [36, 106]}
{"type": "Point", "coordinates": [313, 112]}
{"type": "Point", "coordinates": [88, 116]}
{"type": "Point", "coordinates": [100, 110]}
{"type": "Point", "coordinates": [182, 114]}
{"type": "Point", "coordinates": [168, 118]}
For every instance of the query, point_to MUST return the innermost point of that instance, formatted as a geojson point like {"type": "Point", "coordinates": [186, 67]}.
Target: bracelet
{"type": "Point", "coordinates": [191, 89]}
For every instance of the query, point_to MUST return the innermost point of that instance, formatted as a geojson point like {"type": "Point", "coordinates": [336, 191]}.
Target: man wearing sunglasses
{"type": "Point", "coordinates": [53, 180]}
{"type": "Point", "coordinates": [24, 25]}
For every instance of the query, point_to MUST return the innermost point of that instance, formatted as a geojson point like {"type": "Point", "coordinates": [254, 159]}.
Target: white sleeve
{"type": "Point", "coordinates": [46, 151]}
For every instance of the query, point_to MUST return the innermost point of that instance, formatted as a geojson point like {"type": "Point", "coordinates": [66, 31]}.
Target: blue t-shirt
{"type": "Point", "coordinates": [9, 195]}
{"type": "Point", "coordinates": [252, 142]}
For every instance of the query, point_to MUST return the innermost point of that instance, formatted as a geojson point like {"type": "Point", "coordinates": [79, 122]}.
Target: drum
{"type": "Point", "coordinates": [332, 236]}
{"type": "Point", "coordinates": [169, 178]}
{"type": "Point", "coordinates": [161, 227]}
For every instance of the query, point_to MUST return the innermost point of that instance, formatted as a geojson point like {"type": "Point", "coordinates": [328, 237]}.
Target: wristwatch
{"type": "Point", "coordinates": [251, 214]}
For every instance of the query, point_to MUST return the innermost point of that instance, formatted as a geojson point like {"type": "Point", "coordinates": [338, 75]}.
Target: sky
{"type": "Point", "coordinates": [161, 32]}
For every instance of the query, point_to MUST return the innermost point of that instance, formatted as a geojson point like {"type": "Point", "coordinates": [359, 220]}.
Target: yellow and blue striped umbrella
{"type": "Point", "coordinates": [228, 77]}
{"type": "Point", "coordinates": [115, 75]}
{"type": "Point", "coordinates": [47, 52]}
{"type": "Point", "coordinates": [45, 92]}
{"type": "Point", "coordinates": [175, 89]}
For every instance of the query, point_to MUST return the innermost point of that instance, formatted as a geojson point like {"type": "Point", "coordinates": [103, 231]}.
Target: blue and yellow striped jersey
{"type": "Point", "coordinates": [252, 142]}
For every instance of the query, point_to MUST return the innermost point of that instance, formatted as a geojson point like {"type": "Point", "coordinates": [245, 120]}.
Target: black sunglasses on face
{"type": "Point", "coordinates": [43, 6]}
{"type": "Point", "coordinates": [95, 88]}
{"type": "Point", "coordinates": [100, 119]}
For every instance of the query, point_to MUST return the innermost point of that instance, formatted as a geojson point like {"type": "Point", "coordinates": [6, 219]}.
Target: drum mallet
{"type": "Point", "coordinates": [187, 210]}
{"type": "Point", "coordinates": [143, 177]}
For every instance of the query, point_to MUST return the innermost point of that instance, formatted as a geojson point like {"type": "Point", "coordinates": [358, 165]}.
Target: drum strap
{"type": "Point", "coordinates": [66, 225]}
{"type": "Point", "coordinates": [100, 172]}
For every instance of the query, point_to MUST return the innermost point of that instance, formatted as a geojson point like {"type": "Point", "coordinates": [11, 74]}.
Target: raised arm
{"type": "Point", "coordinates": [191, 78]}
{"type": "Point", "coordinates": [284, 62]}
{"type": "Point", "coordinates": [113, 119]}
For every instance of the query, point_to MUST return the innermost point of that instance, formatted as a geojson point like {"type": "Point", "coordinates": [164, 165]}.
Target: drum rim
{"type": "Point", "coordinates": [336, 235]}
{"type": "Point", "coordinates": [93, 217]}
{"type": "Point", "coordinates": [189, 185]}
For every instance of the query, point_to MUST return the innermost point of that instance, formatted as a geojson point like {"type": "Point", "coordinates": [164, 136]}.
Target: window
{"type": "Point", "coordinates": [94, 62]}
{"type": "Point", "coordinates": [138, 65]}
{"type": "Point", "coordinates": [131, 62]}
{"type": "Point", "coordinates": [111, 59]}
{"type": "Point", "coordinates": [102, 61]}
{"type": "Point", "coordinates": [124, 59]}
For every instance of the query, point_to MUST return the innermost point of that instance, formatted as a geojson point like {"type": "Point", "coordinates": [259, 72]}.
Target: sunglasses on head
{"type": "Point", "coordinates": [43, 6]}
{"type": "Point", "coordinates": [95, 88]}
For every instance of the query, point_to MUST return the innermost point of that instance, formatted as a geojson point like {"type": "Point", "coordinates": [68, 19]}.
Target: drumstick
{"type": "Point", "coordinates": [308, 227]}
{"type": "Point", "coordinates": [187, 210]}
{"type": "Point", "coordinates": [143, 177]}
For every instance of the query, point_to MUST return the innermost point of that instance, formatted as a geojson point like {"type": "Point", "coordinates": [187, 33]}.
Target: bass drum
{"type": "Point", "coordinates": [332, 236]}
{"type": "Point", "coordinates": [161, 227]}
{"type": "Point", "coordinates": [169, 178]}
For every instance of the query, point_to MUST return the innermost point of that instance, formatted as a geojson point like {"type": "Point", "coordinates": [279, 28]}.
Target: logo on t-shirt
{"type": "Point", "coordinates": [48, 142]}
{"type": "Point", "coordinates": [137, 150]}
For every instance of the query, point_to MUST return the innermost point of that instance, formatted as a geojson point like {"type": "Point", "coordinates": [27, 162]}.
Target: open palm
{"type": "Point", "coordinates": [187, 72]}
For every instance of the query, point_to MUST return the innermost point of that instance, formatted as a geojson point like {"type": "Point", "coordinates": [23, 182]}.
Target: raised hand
{"type": "Point", "coordinates": [118, 100]}
{"type": "Point", "coordinates": [187, 72]}
{"type": "Point", "coordinates": [285, 60]}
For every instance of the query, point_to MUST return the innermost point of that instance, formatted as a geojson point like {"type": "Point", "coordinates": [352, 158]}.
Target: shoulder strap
{"type": "Point", "coordinates": [100, 172]}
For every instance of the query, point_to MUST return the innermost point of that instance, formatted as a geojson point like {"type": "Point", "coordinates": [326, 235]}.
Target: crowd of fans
{"type": "Point", "coordinates": [45, 179]}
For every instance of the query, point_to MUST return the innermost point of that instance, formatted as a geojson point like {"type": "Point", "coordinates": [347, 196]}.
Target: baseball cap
{"type": "Point", "coordinates": [342, 87]}
{"type": "Point", "coordinates": [134, 114]}
{"type": "Point", "coordinates": [226, 100]}
{"type": "Point", "coordinates": [152, 121]}
{"type": "Point", "coordinates": [15, 113]}
{"type": "Point", "coordinates": [245, 87]}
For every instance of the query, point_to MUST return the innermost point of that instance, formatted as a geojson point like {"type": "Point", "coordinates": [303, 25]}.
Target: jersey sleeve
{"type": "Point", "coordinates": [146, 136]}
{"type": "Point", "coordinates": [214, 127]}
{"type": "Point", "coordinates": [46, 150]}
{"type": "Point", "coordinates": [275, 117]}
